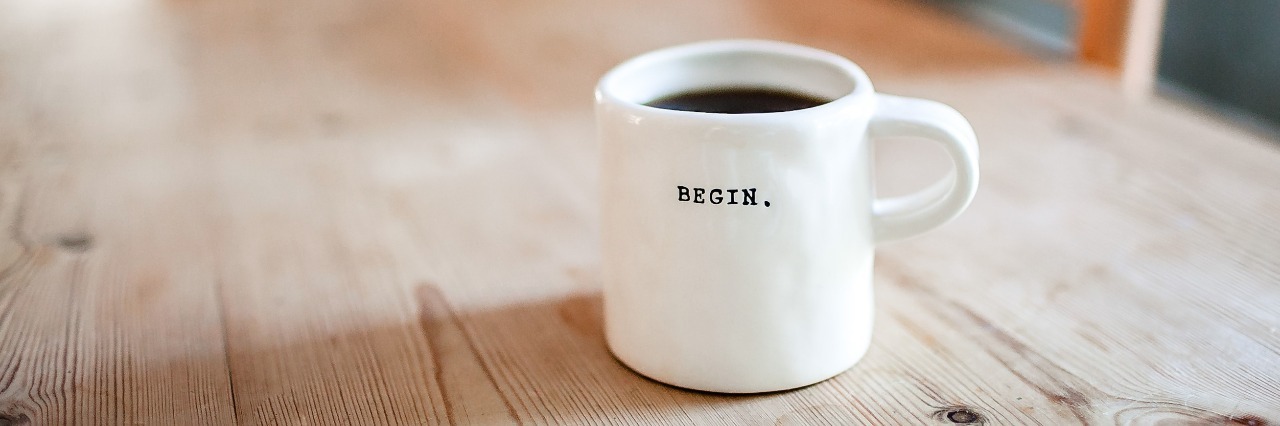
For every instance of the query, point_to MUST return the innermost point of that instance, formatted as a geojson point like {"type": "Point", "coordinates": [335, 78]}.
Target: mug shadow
{"type": "Point", "coordinates": [539, 362]}
{"type": "Point", "coordinates": [552, 353]}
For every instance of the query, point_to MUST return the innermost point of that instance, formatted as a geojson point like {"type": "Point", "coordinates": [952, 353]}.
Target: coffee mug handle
{"type": "Point", "coordinates": [901, 217]}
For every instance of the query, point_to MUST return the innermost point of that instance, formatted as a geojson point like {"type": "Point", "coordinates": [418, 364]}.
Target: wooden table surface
{"type": "Point", "coordinates": [384, 212]}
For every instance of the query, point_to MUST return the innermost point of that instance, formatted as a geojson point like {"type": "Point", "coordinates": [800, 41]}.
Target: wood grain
{"type": "Point", "coordinates": [384, 212]}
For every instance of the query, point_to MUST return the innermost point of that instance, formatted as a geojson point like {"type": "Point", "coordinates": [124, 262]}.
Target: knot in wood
{"type": "Point", "coordinates": [962, 415]}
{"type": "Point", "coordinates": [1249, 420]}
{"type": "Point", "coordinates": [7, 419]}
{"type": "Point", "coordinates": [77, 242]}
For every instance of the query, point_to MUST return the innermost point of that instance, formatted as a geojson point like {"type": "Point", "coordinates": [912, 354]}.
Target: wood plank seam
{"type": "Point", "coordinates": [220, 285]}
{"type": "Point", "coordinates": [431, 295]}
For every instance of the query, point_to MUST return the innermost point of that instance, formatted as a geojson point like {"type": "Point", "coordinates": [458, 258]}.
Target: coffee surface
{"type": "Point", "coordinates": [737, 100]}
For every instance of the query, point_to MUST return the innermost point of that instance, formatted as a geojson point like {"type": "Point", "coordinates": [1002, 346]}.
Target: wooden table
{"type": "Point", "coordinates": [373, 212]}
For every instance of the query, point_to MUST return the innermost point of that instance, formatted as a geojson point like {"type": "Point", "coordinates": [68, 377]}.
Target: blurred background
{"type": "Point", "coordinates": [1223, 55]}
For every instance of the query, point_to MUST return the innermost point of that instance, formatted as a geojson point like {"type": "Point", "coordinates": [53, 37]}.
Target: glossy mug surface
{"type": "Point", "coordinates": [737, 248]}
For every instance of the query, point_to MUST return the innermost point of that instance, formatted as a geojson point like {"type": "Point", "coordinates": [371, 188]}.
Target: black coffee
{"type": "Point", "coordinates": [738, 100]}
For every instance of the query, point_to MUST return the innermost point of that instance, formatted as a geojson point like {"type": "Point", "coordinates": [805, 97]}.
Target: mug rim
{"type": "Point", "coordinates": [859, 96]}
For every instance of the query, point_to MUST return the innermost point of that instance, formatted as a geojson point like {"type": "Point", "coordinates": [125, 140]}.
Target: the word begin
{"type": "Point", "coordinates": [718, 196]}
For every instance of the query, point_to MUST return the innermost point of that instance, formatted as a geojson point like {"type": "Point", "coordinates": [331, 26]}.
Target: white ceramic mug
{"type": "Point", "coordinates": [773, 291]}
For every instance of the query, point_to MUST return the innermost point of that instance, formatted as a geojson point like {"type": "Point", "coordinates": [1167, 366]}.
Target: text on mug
{"type": "Point", "coordinates": [717, 196]}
